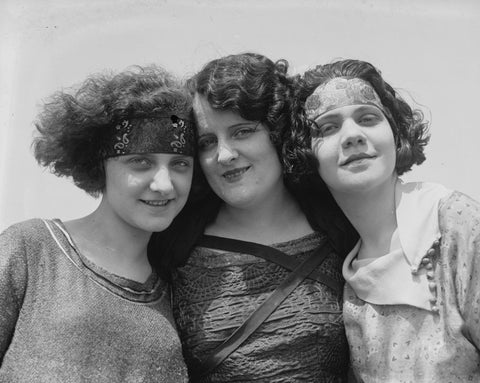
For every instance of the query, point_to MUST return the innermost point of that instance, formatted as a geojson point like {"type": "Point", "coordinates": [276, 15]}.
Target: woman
{"type": "Point", "coordinates": [234, 320]}
{"type": "Point", "coordinates": [411, 301]}
{"type": "Point", "coordinates": [79, 300]}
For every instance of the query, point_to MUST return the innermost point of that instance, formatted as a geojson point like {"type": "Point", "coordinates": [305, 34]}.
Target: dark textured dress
{"type": "Point", "coordinates": [303, 340]}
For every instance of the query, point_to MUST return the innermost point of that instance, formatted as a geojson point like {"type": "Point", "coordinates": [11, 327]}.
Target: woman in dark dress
{"type": "Point", "coordinates": [242, 314]}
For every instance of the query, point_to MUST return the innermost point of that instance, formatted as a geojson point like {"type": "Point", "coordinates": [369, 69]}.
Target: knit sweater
{"type": "Point", "coordinates": [407, 343]}
{"type": "Point", "coordinates": [63, 319]}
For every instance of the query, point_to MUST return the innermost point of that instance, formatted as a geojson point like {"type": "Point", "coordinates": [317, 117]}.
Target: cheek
{"type": "Point", "coordinates": [183, 183]}
{"type": "Point", "coordinates": [206, 163]}
{"type": "Point", "coordinates": [324, 151]}
{"type": "Point", "coordinates": [263, 151]}
{"type": "Point", "coordinates": [133, 181]}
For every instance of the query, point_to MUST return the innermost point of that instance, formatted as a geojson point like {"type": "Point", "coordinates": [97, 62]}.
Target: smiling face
{"type": "Point", "coordinates": [237, 156]}
{"type": "Point", "coordinates": [355, 148]}
{"type": "Point", "coordinates": [146, 191]}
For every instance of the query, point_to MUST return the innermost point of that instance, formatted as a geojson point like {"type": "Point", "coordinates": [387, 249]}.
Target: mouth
{"type": "Point", "coordinates": [356, 157]}
{"type": "Point", "coordinates": [156, 203]}
{"type": "Point", "coordinates": [234, 174]}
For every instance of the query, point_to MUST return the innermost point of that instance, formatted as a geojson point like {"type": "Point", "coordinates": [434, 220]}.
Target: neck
{"type": "Point", "coordinates": [372, 214]}
{"type": "Point", "coordinates": [276, 219]}
{"type": "Point", "coordinates": [108, 241]}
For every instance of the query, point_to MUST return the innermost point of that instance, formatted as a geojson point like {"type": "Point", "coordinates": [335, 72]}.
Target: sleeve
{"type": "Point", "coordinates": [13, 282]}
{"type": "Point", "coordinates": [464, 214]}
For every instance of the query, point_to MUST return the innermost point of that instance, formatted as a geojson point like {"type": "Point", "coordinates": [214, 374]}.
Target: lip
{"type": "Point", "coordinates": [159, 203]}
{"type": "Point", "coordinates": [234, 174]}
{"type": "Point", "coordinates": [356, 157]}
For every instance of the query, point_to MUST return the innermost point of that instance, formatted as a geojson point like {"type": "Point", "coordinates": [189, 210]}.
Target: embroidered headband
{"type": "Point", "coordinates": [160, 134]}
{"type": "Point", "coordinates": [339, 92]}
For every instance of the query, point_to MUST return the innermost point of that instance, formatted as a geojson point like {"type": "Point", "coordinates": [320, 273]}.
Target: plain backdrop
{"type": "Point", "coordinates": [429, 49]}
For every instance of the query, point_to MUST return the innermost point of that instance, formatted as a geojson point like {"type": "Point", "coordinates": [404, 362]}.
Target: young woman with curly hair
{"type": "Point", "coordinates": [411, 301]}
{"type": "Point", "coordinates": [79, 300]}
{"type": "Point", "coordinates": [241, 247]}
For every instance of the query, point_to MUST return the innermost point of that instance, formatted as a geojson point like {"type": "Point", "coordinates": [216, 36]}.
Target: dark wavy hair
{"type": "Point", "coordinates": [253, 86]}
{"type": "Point", "coordinates": [74, 124]}
{"type": "Point", "coordinates": [410, 130]}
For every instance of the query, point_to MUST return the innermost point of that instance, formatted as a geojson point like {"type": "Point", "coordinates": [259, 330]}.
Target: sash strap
{"type": "Point", "coordinates": [252, 323]}
{"type": "Point", "coordinates": [269, 254]}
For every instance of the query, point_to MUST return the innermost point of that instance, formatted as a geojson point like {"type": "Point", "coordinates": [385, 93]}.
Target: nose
{"type": "Point", "coordinates": [226, 153]}
{"type": "Point", "coordinates": [161, 181]}
{"type": "Point", "coordinates": [353, 134]}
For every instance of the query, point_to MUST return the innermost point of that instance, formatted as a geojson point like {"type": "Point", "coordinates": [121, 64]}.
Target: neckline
{"type": "Point", "coordinates": [150, 290]}
{"type": "Point", "coordinates": [234, 241]}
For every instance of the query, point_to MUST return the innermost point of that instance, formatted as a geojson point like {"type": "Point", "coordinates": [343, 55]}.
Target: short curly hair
{"type": "Point", "coordinates": [410, 130]}
{"type": "Point", "coordinates": [253, 86]}
{"type": "Point", "coordinates": [74, 124]}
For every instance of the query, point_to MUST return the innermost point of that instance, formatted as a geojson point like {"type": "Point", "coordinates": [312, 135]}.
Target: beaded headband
{"type": "Point", "coordinates": [340, 92]}
{"type": "Point", "coordinates": [159, 134]}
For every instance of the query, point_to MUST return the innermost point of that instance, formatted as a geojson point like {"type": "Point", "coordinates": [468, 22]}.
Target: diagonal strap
{"type": "Point", "coordinates": [268, 253]}
{"type": "Point", "coordinates": [241, 334]}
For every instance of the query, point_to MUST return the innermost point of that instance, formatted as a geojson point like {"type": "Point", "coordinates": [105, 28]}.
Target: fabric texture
{"type": "Point", "coordinates": [406, 343]}
{"type": "Point", "coordinates": [63, 319]}
{"type": "Point", "coordinates": [303, 340]}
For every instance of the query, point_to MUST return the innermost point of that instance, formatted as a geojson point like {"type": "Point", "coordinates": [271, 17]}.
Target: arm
{"type": "Point", "coordinates": [461, 215]}
{"type": "Point", "coordinates": [13, 281]}
{"type": "Point", "coordinates": [471, 310]}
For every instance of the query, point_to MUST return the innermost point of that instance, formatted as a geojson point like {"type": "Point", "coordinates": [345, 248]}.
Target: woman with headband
{"type": "Point", "coordinates": [79, 300]}
{"type": "Point", "coordinates": [412, 293]}
{"type": "Point", "coordinates": [257, 286]}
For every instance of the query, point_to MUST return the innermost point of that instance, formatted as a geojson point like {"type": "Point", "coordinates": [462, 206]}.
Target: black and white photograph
{"type": "Point", "coordinates": [215, 191]}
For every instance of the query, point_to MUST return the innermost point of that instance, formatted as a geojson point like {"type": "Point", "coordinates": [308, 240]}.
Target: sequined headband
{"type": "Point", "coordinates": [340, 92]}
{"type": "Point", "coordinates": [151, 135]}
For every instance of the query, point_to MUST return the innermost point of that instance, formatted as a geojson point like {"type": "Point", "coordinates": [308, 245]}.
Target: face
{"type": "Point", "coordinates": [146, 191]}
{"type": "Point", "coordinates": [237, 156]}
{"type": "Point", "coordinates": [355, 148]}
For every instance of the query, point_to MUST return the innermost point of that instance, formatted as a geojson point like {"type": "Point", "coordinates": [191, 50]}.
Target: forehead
{"type": "Point", "coordinates": [210, 119]}
{"type": "Point", "coordinates": [347, 111]}
{"type": "Point", "coordinates": [155, 157]}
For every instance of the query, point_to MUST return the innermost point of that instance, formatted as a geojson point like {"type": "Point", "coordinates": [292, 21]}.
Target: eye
{"type": "Point", "coordinates": [206, 142]}
{"type": "Point", "coordinates": [369, 119]}
{"type": "Point", "coordinates": [140, 162]}
{"type": "Point", "coordinates": [244, 131]}
{"type": "Point", "coordinates": [182, 164]}
{"type": "Point", "coordinates": [323, 129]}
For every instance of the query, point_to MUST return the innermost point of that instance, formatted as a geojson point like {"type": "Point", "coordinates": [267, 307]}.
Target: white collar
{"type": "Point", "coordinates": [377, 281]}
{"type": "Point", "coordinates": [417, 217]}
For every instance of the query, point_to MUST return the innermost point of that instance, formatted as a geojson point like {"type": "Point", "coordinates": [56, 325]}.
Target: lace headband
{"type": "Point", "coordinates": [160, 134]}
{"type": "Point", "coordinates": [340, 92]}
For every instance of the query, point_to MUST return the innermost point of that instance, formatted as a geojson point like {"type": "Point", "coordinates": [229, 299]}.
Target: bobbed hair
{"type": "Point", "coordinates": [252, 86]}
{"type": "Point", "coordinates": [74, 124]}
{"type": "Point", "coordinates": [410, 130]}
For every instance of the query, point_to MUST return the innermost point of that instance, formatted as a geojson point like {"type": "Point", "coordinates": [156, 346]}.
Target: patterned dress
{"type": "Point", "coordinates": [412, 340]}
{"type": "Point", "coordinates": [303, 340]}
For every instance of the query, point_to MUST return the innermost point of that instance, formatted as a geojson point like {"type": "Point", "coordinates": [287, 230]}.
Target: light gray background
{"type": "Point", "coordinates": [428, 48]}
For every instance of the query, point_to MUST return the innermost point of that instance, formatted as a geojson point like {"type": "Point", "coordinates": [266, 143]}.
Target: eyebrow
{"type": "Point", "coordinates": [253, 123]}
{"type": "Point", "coordinates": [334, 114]}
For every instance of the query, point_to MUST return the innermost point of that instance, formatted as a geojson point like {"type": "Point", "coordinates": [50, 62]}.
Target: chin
{"type": "Point", "coordinates": [239, 201]}
{"type": "Point", "coordinates": [156, 225]}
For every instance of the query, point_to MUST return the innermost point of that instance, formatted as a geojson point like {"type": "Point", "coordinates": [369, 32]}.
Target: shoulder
{"type": "Point", "coordinates": [31, 228]}
{"type": "Point", "coordinates": [460, 213]}
{"type": "Point", "coordinates": [25, 235]}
